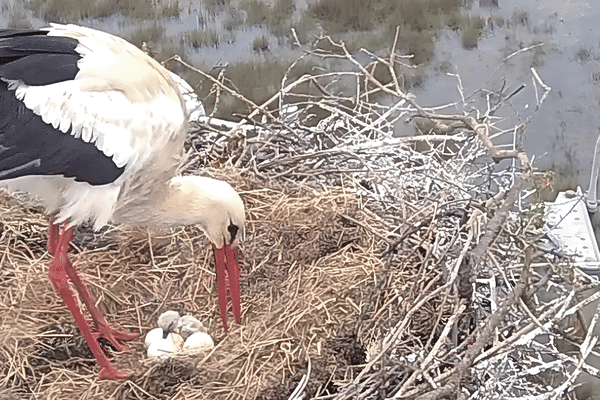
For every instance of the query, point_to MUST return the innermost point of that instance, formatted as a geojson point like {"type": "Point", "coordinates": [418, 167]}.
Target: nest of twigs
{"type": "Point", "coordinates": [358, 265]}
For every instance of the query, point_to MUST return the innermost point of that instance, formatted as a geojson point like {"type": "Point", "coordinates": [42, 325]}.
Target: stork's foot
{"type": "Point", "coordinates": [115, 337]}
{"type": "Point", "coordinates": [113, 373]}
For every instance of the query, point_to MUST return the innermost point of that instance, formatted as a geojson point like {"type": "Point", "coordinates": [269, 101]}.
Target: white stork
{"type": "Point", "coordinates": [94, 128]}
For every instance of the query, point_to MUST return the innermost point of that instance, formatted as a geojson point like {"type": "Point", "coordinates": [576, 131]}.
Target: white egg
{"type": "Point", "coordinates": [152, 336]}
{"type": "Point", "coordinates": [199, 342]}
{"type": "Point", "coordinates": [188, 325]}
{"type": "Point", "coordinates": [162, 347]}
{"type": "Point", "coordinates": [168, 321]}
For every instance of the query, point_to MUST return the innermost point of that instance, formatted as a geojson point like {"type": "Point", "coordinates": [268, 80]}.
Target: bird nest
{"type": "Point", "coordinates": [358, 265]}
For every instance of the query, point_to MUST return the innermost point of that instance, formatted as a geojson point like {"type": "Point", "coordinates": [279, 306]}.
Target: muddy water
{"type": "Point", "coordinates": [562, 134]}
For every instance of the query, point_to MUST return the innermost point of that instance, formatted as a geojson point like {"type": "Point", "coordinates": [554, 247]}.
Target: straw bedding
{"type": "Point", "coordinates": [306, 273]}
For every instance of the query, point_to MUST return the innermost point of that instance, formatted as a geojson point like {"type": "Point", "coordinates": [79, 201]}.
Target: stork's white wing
{"type": "Point", "coordinates": [123, 130]}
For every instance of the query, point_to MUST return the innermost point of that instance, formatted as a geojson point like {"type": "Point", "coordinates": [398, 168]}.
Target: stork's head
{"type": "Point", "coordinates": [211, 204]}
{"type": "Point", "coordinates": [219, 211]}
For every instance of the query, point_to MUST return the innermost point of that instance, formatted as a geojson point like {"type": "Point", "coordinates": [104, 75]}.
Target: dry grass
{"type": "Point", "coordinates": [305, 275]}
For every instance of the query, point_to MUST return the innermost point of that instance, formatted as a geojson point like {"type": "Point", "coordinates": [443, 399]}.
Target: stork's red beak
{"type": "Point", "coordinates": [227, 258]}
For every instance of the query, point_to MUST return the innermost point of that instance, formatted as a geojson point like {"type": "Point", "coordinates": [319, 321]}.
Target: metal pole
{"type": "Point", "coordinates": [591, 201]}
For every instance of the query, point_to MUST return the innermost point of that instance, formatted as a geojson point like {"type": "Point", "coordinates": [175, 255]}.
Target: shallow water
{"type": "Point", "coordinates": [560, 136]}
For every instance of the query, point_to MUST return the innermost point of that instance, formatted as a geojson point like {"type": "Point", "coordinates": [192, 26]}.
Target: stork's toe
{"type": "Point", "coordinates": [112, 373]}
{"type": "Point", "coordinates": [115, 337]}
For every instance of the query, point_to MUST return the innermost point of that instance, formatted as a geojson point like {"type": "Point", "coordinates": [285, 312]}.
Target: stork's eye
{"type": "Point", "coordinates": [233, 230]}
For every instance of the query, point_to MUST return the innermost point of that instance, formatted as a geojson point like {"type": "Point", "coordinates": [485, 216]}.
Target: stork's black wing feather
{"type": "Point", "coordinates": [36, 58]}
{"type": "Point", "coordinates": [28, 145]}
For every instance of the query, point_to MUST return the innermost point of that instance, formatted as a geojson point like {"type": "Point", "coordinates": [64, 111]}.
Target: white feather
{"type": "Point", "coordinates": [121, 129]}
{"type": "Point", "coordinates": [86, 136]}
{"type": "Point", "coordinates": [75, 202]}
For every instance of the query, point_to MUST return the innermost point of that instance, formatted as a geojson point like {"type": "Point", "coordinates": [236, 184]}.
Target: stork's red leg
{"type": "Point", "coordinates": [113, 335]}
{"type": "Point", "coordinates": [221, 283]}
{"type": "Point", "coordinates": [53, 233]}
{"type": "Point", "coordinates": [58, 276]}
{"type": "Point", "coordinates": [233, 270]}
